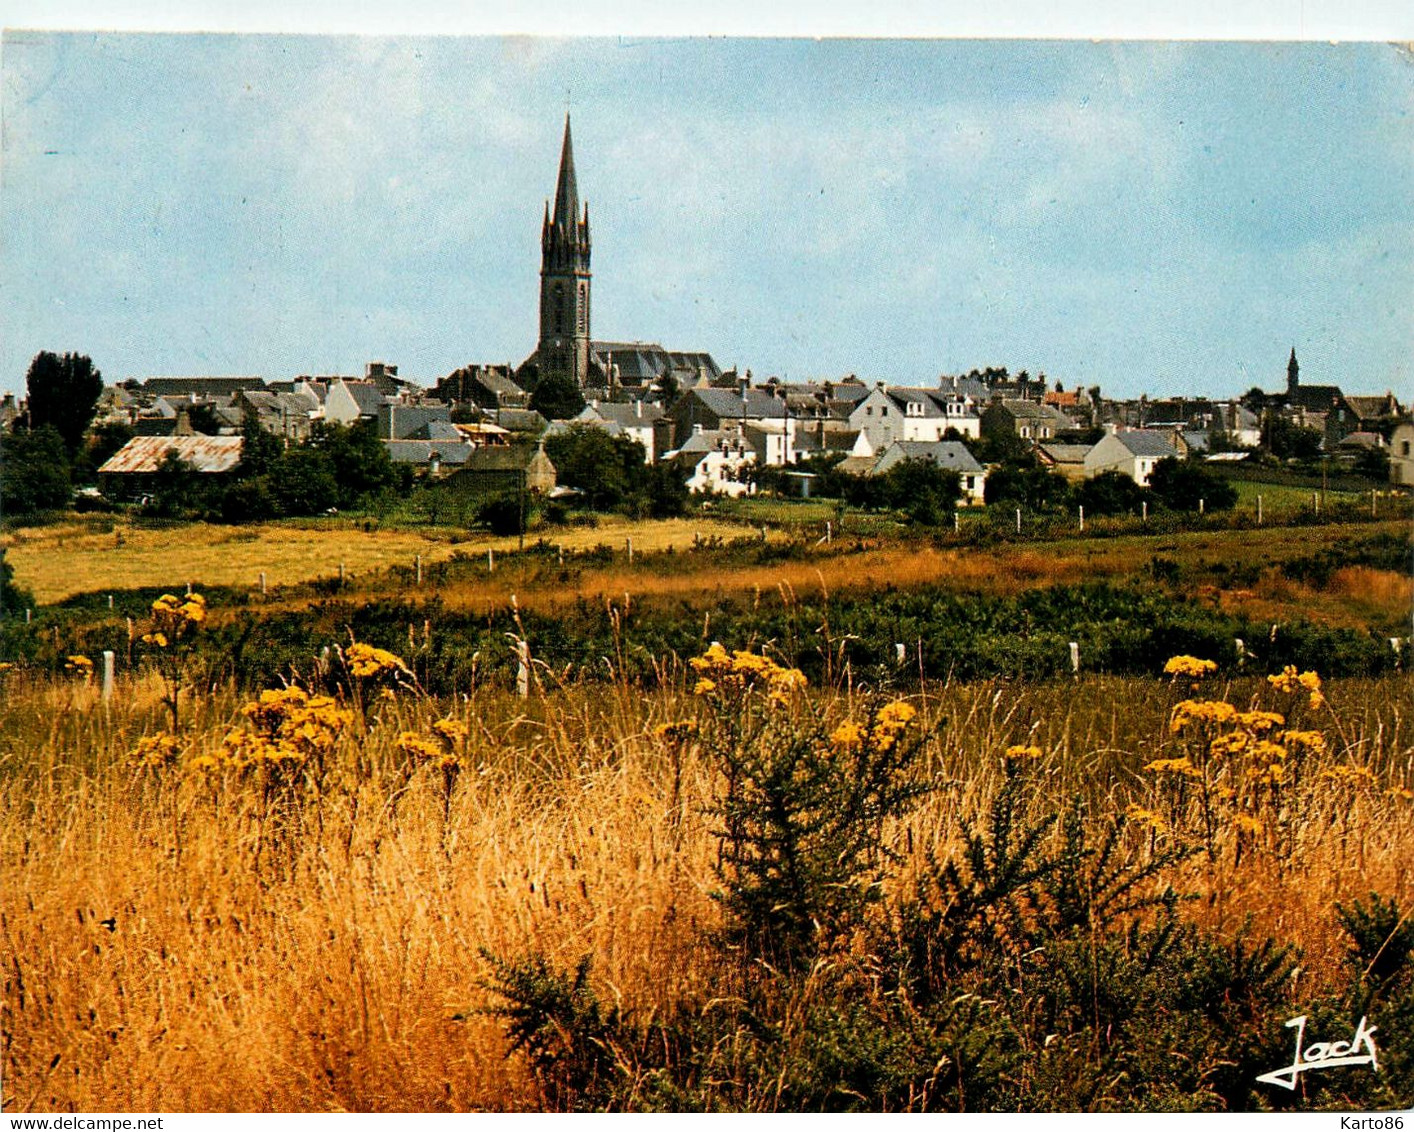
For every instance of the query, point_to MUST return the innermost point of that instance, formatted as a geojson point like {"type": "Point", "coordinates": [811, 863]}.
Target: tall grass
{"type": "Point", "coordinates": [165, 951]}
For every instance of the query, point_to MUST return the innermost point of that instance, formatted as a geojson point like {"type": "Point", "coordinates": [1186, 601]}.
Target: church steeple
{"type": "Point", "coordinates": [564, 277]}
{"type": "Point", "coordinates": [1293, 380]}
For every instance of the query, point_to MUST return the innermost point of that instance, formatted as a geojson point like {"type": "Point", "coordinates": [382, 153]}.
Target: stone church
{"type": "Point", "coordinates": [566, 348]}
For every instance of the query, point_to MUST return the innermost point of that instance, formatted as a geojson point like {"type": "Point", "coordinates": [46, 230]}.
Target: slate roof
{"type": "Point", "coordinates": [728, 403]}
{"type": "Point", "coordinates": [625, 415]}
{"type": "Point", "coordinates": [1147, 442]}
{"type": "Point", "coordinates": [1065, 453]}
{"type": "Point", "coordinates": [949, 454]}
{"type": "Point", "coordinates": [422, 451]}
{"type": "Point", "coordinates": [202, 386]}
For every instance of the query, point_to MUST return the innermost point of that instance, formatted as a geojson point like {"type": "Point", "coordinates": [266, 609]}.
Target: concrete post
{"type": "Point", "coordinates": [107, 675]}
{"type": "Point", "coordinates": [417, 566]}
{"type": "Point", "coordinates": [1075, 657]}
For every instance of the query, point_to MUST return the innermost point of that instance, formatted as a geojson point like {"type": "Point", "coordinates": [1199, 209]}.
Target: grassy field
{"type": "Point", "coordinates": [183, 940]}
{"type": "Point", "coordinates": [99, 555]}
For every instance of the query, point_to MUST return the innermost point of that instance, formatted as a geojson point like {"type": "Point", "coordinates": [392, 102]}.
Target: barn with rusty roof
{"type": "Point", "coordinates": [131, 472]}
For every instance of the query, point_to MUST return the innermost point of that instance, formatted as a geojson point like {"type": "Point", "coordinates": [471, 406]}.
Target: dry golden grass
{"type": "Point", "coordinates": [161, 955]}
{"type": "Point", "coordinates": [55, 562]}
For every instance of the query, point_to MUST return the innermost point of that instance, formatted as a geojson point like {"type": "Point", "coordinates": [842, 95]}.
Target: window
{"type": "Point", "coordinates": [1405, 446]}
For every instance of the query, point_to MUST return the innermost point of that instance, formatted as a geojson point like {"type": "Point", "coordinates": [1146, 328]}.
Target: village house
{"type": "Point", "coordinates": [951, 455]}
{"type": "Point", "coordinates": [637, 420]}
{"type": "Point", "coordinates": [497, 469]}
{"type": "Point", "coordinates": [715, 462]}
{"type": "Point", "coordinates": [891, 413]}
{"type": "Point", "coordinates": [1133, 452]}
{"type": "Point", "coordinates": [1029, 420]}
{"type": "Point", "coordinates": [1401, 455]}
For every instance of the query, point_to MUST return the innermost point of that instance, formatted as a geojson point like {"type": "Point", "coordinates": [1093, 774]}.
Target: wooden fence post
{"type": "Point", "coordinates": [107, 675]}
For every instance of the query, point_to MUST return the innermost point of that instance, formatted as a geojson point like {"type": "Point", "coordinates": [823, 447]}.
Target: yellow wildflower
{"type": "Point", "coordinates": [1260, 721]}
{"type": "Point", "coordinates": [1348, 774]}
{"type": "Point", "coordinates": [704, 686]}
{"type": "Point", "coordinates": [156, 751]}
{"type": "Point", "coordinates": [1190, 667]}
{"type": "Point", "coordinates": [1230, 745]}
{"type": "Point", "coordinates": [1201, 712]}
{"type": "Point", "coordinates": [1246, 823]}
{"type": "Point", "coordinates": [1181, 766]}
{"type": "Point", "coordinates": [451, 731]}
{"type": "Point", "coordinates": [366, 662]}
{"type": "Point", "coordinates": [675, 732]}
{"type": "Point", "coordinates": [848, 735]}
{"type": "Point", "coordinates": [1022, 751]}
{"type": "Point", "coordinates": [1309, 742]}
{"type": "Point", "coordinates": [1139, 814]}
{"type": "Point", "coordinates": [80, 665]}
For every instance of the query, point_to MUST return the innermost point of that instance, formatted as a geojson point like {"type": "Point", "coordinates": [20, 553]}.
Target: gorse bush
{"type": "Point", "coordinates": [1047, 964]}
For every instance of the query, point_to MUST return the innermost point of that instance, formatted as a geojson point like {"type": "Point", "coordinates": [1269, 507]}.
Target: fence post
{"type": "Point", "coordinates": [1202, 504]}
{"type": "Point", "coordinates": [829, 531]}
{"type": "Point", "coordinates": [956, 523]}
{"type": "Point", "coordinates": [1241, 646]}
{"type": "Point", "coordinates": [1373, 514]}
{"type": "Point", "coordinates": [1082, 518]}
{"type": "Point", "coordinates": [629, 541]}
{"type": "Point", "coordinates": [490, 560]}
{"type": "Point", "coordinates": [900, 653]}
{"type": "Point", "coordinates": [341, 575]}
{"type": "Point", "coordinates": [417, 565]}
{"type": "Point", "coordinates": [562, 555]}
{"type": "Point", "coordinates": [1259, 510]}
{"type": "Point", "coordinates": [107, 675]}
{"type": "Point", "coordinates": [1018, 520]}
{"type": "Point", "coordinates": [110, 601]}
{"type": "Point", "coordinates": [28, 613]}
{"type": "Point", "coordinates": [262, 583]}
{"type": "Point", "coordinates": [522, 668]}
{"type": "Point", "coordinates": [1075, 657]}
{"type": "Point", "coordinates": [1144, 510]}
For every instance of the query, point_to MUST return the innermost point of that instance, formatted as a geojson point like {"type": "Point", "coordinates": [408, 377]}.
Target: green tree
{"type": "Point", "coordinates": [1026, 484]}
{"type": "Point", "coordinates": [303, 482]}
{"type": "Point", "coordinates": [63, 391]}
{"type": "Point", "coordinates": [178, 489]}
{"type": "Point", "coordinates": [1287, 440]}
{"type": "Point", "coordinates": [359, 460]}
{"type": "Point", "coordinates": [1182, 486]}
{"type": "Point", "coordinates": [610, 470]}
{"type": "Point", "coordinates": [260, 448]}
{"type": "Point", "coordinates": [34, 471]}
{"type": "Point", "coordinates": [1110, 493]}
{"type": "Point", "coordinates": [667, 494]}
{"type": "Point", "coordinates": [103, 442]}
{"type": "Point", "coordinates": [922, 490]}
{"type": "Point", "coordinates": [557, 398]}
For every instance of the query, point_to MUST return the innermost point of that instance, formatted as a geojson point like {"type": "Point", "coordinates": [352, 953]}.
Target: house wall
{"type": "Point", "coordinates": [1401, 455]}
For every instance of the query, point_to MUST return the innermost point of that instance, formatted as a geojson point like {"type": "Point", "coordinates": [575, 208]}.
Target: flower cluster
{"type": "Point", "coordinates": [288, 728]}
{"type": "Point", "coordinates": [1022, 752]}
{"type": "Point", "coordinates": [744, 671]}
{"type": "Point", "coordinates": [1189, 668]}
{"type": "Point", "coordinates": [367, 662]}
{"type": "Point", "coordinates": [676, 732]}
{"type": "Point", "coordinates": [175, 619]}
{"type": "Point", "coordinates": [1290, 683]}
{"type": "Point", "coordinates": [880, 734]}
{"type": "Point", "coordinates": [157, 751]}
{"type": "Point", "coordinates": [80, 666]}
{"type": "Point", "coordinates": [1202, 713]}
{"type": "Point", "coordinates": [442, 751]}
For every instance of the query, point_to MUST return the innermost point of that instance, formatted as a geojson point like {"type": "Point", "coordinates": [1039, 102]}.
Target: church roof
{"type": "Point", "coordinates": [566, 191]}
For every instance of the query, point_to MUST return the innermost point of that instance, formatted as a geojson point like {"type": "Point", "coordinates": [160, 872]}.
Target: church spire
{"type": "Point", "coordinates": [1293, 380]}
{"type": "Point", "coordinates": [567, 192]}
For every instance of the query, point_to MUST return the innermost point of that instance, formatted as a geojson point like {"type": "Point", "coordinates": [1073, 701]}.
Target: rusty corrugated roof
{"type": "Point", "coordinates": [209, 454]}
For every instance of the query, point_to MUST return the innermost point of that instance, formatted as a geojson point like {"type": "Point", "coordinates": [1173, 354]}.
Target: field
{"type": "Point", "coordinates": [795, 874]}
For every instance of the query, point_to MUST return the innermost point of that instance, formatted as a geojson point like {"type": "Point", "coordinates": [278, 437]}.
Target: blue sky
{"type": "Point", "coordinates": [1155, 218]}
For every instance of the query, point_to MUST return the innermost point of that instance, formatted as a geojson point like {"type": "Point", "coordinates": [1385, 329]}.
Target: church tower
{"type": "Point", "coordinates": [564, 278]}
{"type": "Point", "coordinates": [1293, 379]}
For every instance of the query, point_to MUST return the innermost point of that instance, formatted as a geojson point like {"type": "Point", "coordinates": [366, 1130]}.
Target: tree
{"type": "Point", "coordinates": [103, 442]}
{"type": "Point", "coordinates": [610, 470]}
{"type": "Point", "coordinates": [1025, 483]}
{"type": "Point", "coordinates": [302, 482]}
{"type": "Point", "coordinates": [1287, 440]}
{"type": "Point", "coordinates": [34, 471]}
{"type": "Point", "coordinates": [1182, 486]}
{"type": "Point", "coordinates": [177, 487]}
{"type": "Point", "coordinates": [63, 392]}
{"type": "Point", "coordinates": [922, 490]}
{"type": "Point", "coordinates": [1373, 463]}
{"type": "Point", "coordinates": [667, 494]}
{"type": "Point", "coordinates": [557, 398]}
{"type": "Point", "coordinates": [359, 460]}
{"type": "Point", "coordinates": [260, 448]}
{"type": "Point", "coordinates": [1110, 493]}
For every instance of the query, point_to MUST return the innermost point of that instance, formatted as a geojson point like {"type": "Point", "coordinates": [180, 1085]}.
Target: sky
{"type": "Point", "coordinates": [1162, 218]}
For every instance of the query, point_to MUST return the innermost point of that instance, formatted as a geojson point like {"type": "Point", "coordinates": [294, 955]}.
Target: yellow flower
{"type": "Point", "coordinates": [1021, 751]}
{"type": "Point", "coordinates": [1310, 681]}
{"type": "Point", "coordinates": [80, 664]}
{"type": "Point", "coordinates": [1401, 793]}
{"type": "Point", "coordinates": [1317, 701]}
{"type": "Point", "coordinates": [1201, 712]}
{"type": "Point", "coordinates": [1246, 823]}
{"type": "Point", "coordinates": [1230, 745]}
{"type": "Point", "coordinates": [451, 731]}
{"type": "Point", "coordinates": [1181, 766]}
{"type": "Point", "coordinates": [1189, 666]}
{"type": "Point", "coordinates": [156, 751]}
{"type": "Point", "coordinates": [847, 735]}
{"type": "Point", "coordinates": [1260, 721]}
{"type": "Point", "coordinates": [715, 659]}
{"type": "Point", "coordinates": [675, 732]}
{"type": "Point", "coordinates": [1139, 814]}
{"type": "Point", "coordinates": [1348, 774]}
{"type": "Point", "coordinates": [419, 747]}
{"type": "Point", "coordinates": [158, 638]}
{"type": "Point", "coordinates": [1309, 742]}
{"type": "Point", "coordinates": [365, 661]}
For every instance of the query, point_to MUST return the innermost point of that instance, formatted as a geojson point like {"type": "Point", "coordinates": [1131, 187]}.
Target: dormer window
{"type": "Point", "coordinates": [912, 409]}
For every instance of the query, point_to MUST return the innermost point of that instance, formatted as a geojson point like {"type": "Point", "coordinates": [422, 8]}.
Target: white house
{"type": "Point", "coordinates": [1401, 454]}
{"type": "Point", "coordinates": [717, 460]}
{"type": "Point", "coordinates": [891, 413]}
{"type": "Point", "coordinates": [635, 419]}
{"type": "Point", "coordinates": [1132, 451]}
{"type": "Point", "coordinates": [951, 455]}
